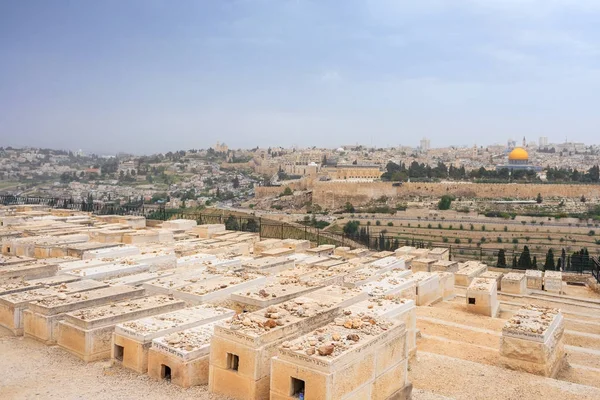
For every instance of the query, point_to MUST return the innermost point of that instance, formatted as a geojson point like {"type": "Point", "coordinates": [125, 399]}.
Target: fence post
{"type": "Point", "coordinates": [450, 253]}
{"type": "Point", "coordinates": [305, 236]}
{"type": "Point", "coordinates": [282, 231]}
{"type": "Point", "coordinates": [318, 237]}
{"type": "Point", "coordinates": [241, 229]}
{"type": "Point", "coordinates": [260, 228]}
{"type": "Point", "coordinates": [480, 254]}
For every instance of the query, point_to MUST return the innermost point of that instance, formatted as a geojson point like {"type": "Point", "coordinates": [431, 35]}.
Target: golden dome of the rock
{"type": "Point", "coordinates": [518, 154]}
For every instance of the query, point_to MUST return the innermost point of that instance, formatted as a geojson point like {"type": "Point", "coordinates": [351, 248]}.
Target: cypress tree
{"type": "Point", "coordinates": [501, 259]}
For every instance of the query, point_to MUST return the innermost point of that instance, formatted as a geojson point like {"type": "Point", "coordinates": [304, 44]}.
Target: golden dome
{"type": "Point", "coordinates": [518, 154]}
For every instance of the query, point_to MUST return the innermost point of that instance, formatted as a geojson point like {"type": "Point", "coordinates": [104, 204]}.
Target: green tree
{"type": "Point", "coordinates": [539, 199]}
{"type": "Point", "coordinates": [525, 259]}
{"type": "Point", "coordinates": [501, 259]}
{"type": "Point", "coordinates": [549, 264]}
{"type": "Point", "coordinates": [236, 182]}
{"type": "Point", "coordinates": [231, 223]}
{"type": "Point", "coordinates": [514, 262]}
{"type": "Point", "coordinates": [349, 208]}
{"type": "Point", "coordinates": [287, 191]}
{"type": "Point", "coordinates": [445, 202]}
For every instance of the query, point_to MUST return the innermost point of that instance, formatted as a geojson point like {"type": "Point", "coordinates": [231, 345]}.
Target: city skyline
{"type": "Point", "coordinates": [147, 77]}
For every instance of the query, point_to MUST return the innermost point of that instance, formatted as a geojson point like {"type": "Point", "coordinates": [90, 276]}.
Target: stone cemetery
{"type": "Point", "coordinates": [248, 317]}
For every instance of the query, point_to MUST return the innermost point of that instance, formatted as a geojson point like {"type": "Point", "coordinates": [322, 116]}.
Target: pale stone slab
{"type": "Point", "coordinates": [13, 305]}
{"type": "Point", "coordinates": [440, 253]}
{"type": "Point", "coordinates": [87, 333]}
{"type": "Point", "coordinates": [112, 252]}
{"type": "Point", "coordinates": [535, 279]}
{"type": "Point", "coordinates": [514, 283]}
{"type": "Point", "coordinates": [322, 250]}
{"type": "Point", "coordinates": [180, 224]}
{"type": "Point", "coordinates": [422, 264]}
{"type": "Point", "coordinates": [269, 264]}
{"type": "Point", "coordinates": [428, 288]}
{"type": "Point", "coordinates": [217, 288]}
{"type": "Point", "coordinates": [19, 284]}
{"type": "Point", "coordinates": [109, 271]}
{"type": "Point", "coordinates": [497, 276]}
{"type": "Point", "coordinates": [553, 281]}
{"type": "Point", "coordinates": [482, 297]}
{"type": "Point", "coordinates": [445, 266]}
{"type": "Point", "coordinates": [43, 316]}
{"type": "Point", "coordinates": [465, 275]}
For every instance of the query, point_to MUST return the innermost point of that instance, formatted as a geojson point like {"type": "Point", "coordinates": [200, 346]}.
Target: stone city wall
{"type": "Point", "coordinates": [335, 194]}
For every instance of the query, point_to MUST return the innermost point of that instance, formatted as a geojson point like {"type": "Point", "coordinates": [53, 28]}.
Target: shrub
{"type": "Point", "coordinates": [472, 227]}
{"type": "Point", "coordinates": [287, 191]}
{"type": "Point", "coordinates": [445, 202]}
{"type": "Point", "coordinates": [378, 222]}
{"type": "Point", "coordinates": [499, 239]}
{"type": "Point", "coordinates": [457, 241]}
{"type": "Point", "coordinates": [439, 226]}
{"type": "Point", "coordinates": [470, 240]}
{"type": "Point", "coordinates": [591, 233]}
{"type": "Point", "coordinates": [506, 229]}
{"type": "Point", "coordinates": [428, 226]}
{"type": "Point", "coordinates": [461, 227]}
{"type": "Point", "coordinates": [445, 239]}
{"type": "Point", "coordinates": [482, 227]}
{"type": "Point", "coordinates": [390, 223]}
{"type": "Point", "coordinates": [515, 241]}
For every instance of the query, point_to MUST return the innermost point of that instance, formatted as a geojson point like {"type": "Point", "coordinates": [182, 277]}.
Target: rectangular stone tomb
{"type": "Point", "coordinates": [13, 305]}
{"type": "Point", "coordinates": [389, 263]}
{"type": "Point", "coordinates": [111, 252]}
{"type": "Point", "coordinates": [445, 266]}
{"type": "Point", "coordinates": [196, 259]}
{"type": "Point", "coordinates": [532, 341]}
{"type": "Point", "coordinates": [132, 340]}
{"type": "Point", "coordinates": [15, 285]}
{"type": "Point", "coordinates": [157, 259]}
{"type": "Point", "coordinates": [465, 275]}
{"type": "Point", "coordinates": [277, 252]}
{"type": "Point", "coordinates": [355, 359]}
{"type": "Point", "coordinates": [422, 264]}
{"type": "Point", "coordinates": [267, 244]}
{"type": "Point", "coordinates": [535, 279]}
{"type": "Point", "coordinates": [34, 270]}
{"type": "Point", "coordinates": [41, 320]}
{"type": "Point", "coordinates": [440, 253]}
{"type": "Point", "coordinates": [357, 253]}
{"type": "Point", "coordinates": [269, 264]}
{"type": "Point", "coordinates": [138, 279]}
{"type": "Point", "coordinates": [217, 288]}
{"type": "Point", "coordinates": [323, 278]}
{"type": "Point", "coordinates": [404, 251]}
{"type": "Point", "coordinates": [10, 260]}
{"type": "Point", "coordinates": [182, 358]}
{"type": "Point", "coordinates": [109, 270]}
{"type": "Point", "coordinates": [313, 260]}
{"type": "Point", "coordinates": [391, 283]}
{"type": "Point", "coordinates": [342, 251]}
{"type": "Point", "coordinates": [419, 253]}
{"type": "Point", "coordinates": [270, 293]}
{"type": "Point", "coordinates": [241, 350]}
{"type": "Point", "coordinates": [180, 224]}
{"type": "Point", "coordinates": [77, 249]}
{"type": "Point", "coordinates": [446, 284]}
{"type": "Point", "coordinates": [514, 283]}
{"type": "Point", "coordinates": [428, 289]}
{"type": "Point", "coordinates": [208, 230]}
{"type": "Point", "coordinates": [297, 245]}
{"type": "Point", "coordinates": [553, 281]}
{"type": "Point", "coordinates": [79, 265]}
{"type": "Point", "coordinates": [166, 284]}
{"type": "Point", "coordinates": [364, 275]}
{"type": "Point", "coordinates": [87, 333]}
{"type": "Point", "coordinates": [329, 263]}
{"type": "Point", "coordinates": [497, 276]}
{"type": "Point", "coordinates": [322, 250]}
{"type": "Point", "coordinates": [482, 297]}
{"type": "Point", "coordinates": [383, 254]}
{"type": "Point", "coordinates": [395, 308]}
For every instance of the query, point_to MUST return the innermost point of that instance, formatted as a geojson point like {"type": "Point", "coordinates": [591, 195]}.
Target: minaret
{"type": "Point", "coordinates": [524, 142]}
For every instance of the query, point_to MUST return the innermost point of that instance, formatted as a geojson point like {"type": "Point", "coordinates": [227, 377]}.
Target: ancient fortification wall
{"type": "Point", "coordinates": [335, 194]}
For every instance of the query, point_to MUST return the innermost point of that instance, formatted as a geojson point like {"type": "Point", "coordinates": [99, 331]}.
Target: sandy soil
{"type": "Point", "coordinates": [31, 370]}
{"type": "Point", "coordinates": [465, 380]}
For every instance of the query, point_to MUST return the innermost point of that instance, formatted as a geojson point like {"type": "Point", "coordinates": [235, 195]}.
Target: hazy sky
{"type": "Point", "coordinates": [151, 75]}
